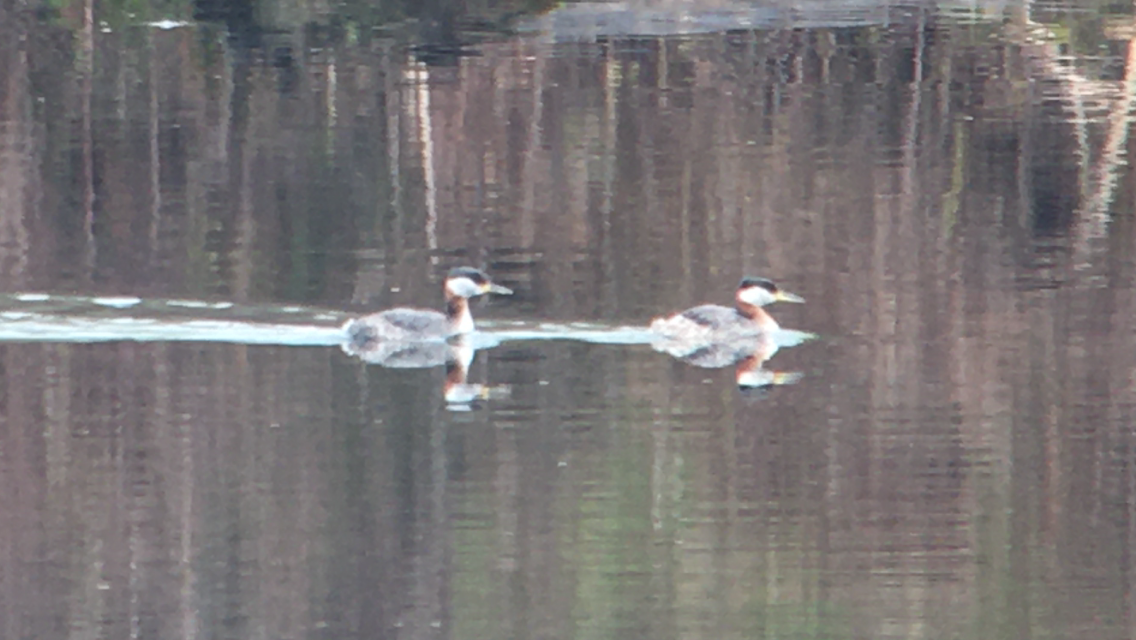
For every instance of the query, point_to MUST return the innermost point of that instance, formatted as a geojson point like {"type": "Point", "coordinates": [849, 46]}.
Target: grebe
{"type": "Point", "coordinates": [410, 325]}
{"type": "Point", "coordinates": [715, 323]}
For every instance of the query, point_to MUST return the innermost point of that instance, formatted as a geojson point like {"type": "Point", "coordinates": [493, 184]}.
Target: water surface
{"type": "Point", "coordinates": [947, 186]}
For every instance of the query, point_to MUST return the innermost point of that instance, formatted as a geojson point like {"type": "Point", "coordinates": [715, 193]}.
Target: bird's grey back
{"type": "Point", "coordinates": [712, 315]}
{"type": "Point", "coordinates": [398, 324]}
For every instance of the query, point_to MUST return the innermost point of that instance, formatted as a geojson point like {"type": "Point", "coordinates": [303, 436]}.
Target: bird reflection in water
{"type": "Point", "coordinates": [748, 356]}
{"type": "Point", "coordinates": [455, 354]}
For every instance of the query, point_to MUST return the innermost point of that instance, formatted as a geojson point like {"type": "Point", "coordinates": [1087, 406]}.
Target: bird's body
{"type": "Point", "coordinates": [402, 325]}
{"type": "Point", "coordinates": [405, 324]}
{"type": "Point", "coordinates": [712, 323]}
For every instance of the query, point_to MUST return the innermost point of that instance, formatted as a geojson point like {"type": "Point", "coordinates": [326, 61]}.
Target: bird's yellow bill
{"type": "Point", "coordinates": [785, 296]}
{"type": "Point", "coordinates": [489, 287]}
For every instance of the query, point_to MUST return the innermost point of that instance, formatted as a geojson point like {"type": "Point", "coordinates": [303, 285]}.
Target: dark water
{"type": "Point", "coordinates": [947, 187]}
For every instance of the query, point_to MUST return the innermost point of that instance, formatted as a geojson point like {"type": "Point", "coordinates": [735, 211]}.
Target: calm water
{"type": "Point", "coordinates": [947, 187]}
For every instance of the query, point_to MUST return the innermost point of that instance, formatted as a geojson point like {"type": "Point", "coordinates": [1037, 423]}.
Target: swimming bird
{"type": "Point", "coordinates": [712, 323]}
{"type": "Point", "coordinates": [413, 325]}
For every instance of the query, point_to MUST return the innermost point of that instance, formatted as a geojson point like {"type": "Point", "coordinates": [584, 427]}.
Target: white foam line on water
{"type": "Point", "coordinates": [41, 328]}
{"type": "Point", "coordinates": [198, 304]}
{"type": "Point", "coordinates": [122, 302]}
{"type": "Point", "coordinates": [602, 334]}
{"type": "Point", "coordinates": [33, 327]}
{"type": "Point", "coordinates": [24, 326]}
{"type": "Point", "coordinates": [792, 337]}
{"type": "Point", "coordinates": [580, 331]}
{"type": "Point", "coordinates": [612, 336]}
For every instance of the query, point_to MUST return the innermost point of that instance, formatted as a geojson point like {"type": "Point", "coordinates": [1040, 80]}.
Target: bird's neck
{"type": "Point", "coordinates": [457, 312]}
{"type": "Point", "coordinates": [757, 315]}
